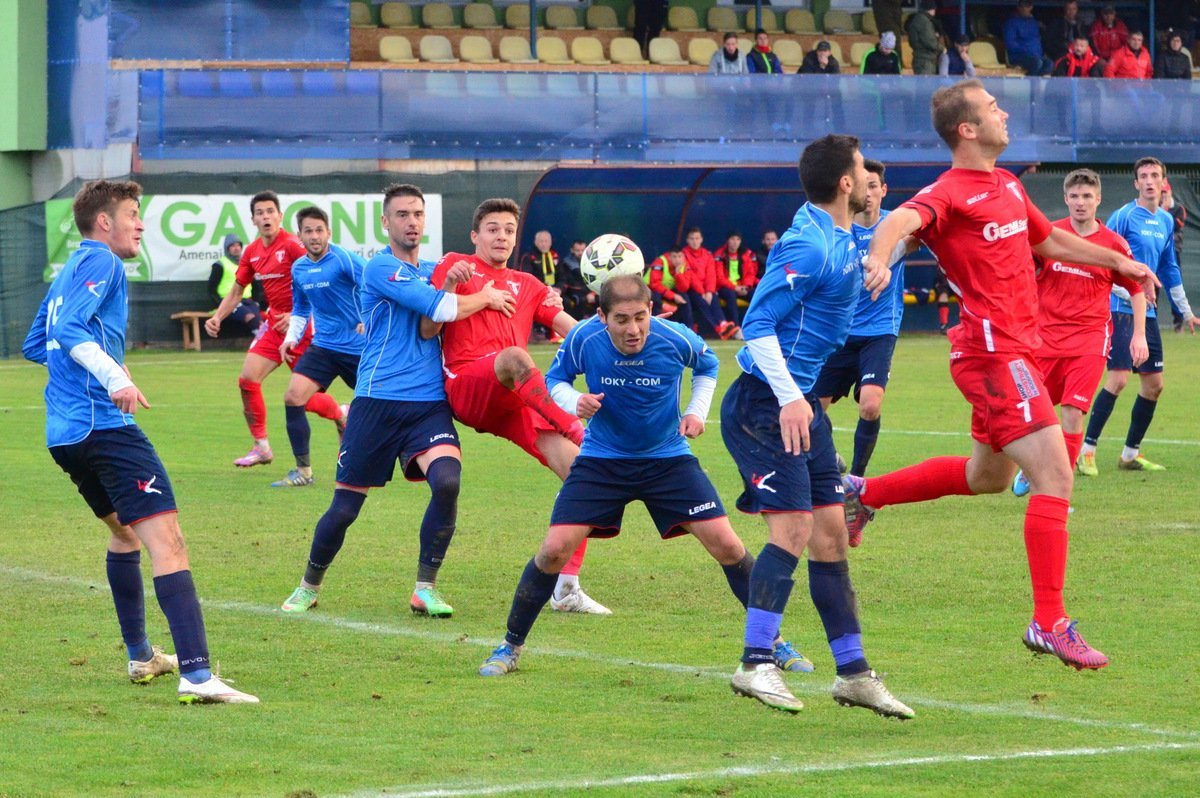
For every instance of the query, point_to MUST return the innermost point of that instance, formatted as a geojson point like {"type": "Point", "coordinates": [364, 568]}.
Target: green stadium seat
{"type": "Point", "coordinates": [868, 22]}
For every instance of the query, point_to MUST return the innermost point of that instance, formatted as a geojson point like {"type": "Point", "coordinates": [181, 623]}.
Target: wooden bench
{"type": "Point", "coordinates": [189, 320]}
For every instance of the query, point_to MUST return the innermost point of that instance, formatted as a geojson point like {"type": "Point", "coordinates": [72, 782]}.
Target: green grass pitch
{"type": "Point", "coordinates": [362, 698]}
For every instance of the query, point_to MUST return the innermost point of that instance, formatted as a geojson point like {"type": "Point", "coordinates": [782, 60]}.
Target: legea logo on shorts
{"type": "Point", "coordinates": [994, 232]}
{"type": "Point", "coordinates": [441, 436]}
{"type": "Point", "coordinates": [702, 507]}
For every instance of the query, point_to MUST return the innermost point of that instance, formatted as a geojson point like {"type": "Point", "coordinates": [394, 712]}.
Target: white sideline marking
{"type": "Point", "coordinates": [753, 771]}
{"type": "Point", "coordinates": [458, 638]}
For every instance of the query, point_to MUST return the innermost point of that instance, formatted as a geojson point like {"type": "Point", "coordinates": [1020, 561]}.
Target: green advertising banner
{"type": "Point", "coordinates": [184, 232]}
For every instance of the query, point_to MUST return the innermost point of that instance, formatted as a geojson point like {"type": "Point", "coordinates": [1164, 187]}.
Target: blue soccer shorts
{"type": "Point", "coordinates": [323, 366]}
{"type": "Point", "coordinates": [380, 432]}
{"type": "Point", "coordinates": [117, 470]}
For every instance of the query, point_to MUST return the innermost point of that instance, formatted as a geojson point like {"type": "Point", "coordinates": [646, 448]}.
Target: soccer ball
{"type": "Point", "coordinates": [608, 255]}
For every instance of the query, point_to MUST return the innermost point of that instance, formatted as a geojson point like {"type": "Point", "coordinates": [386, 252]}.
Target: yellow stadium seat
{"type": "Point", "coordinates": [868, 22]}
{"type": "Point", "coordinates": [770, 22]}
{"type": "Point", "coordinates": [515, 50]}
{"type": "Point", "coordinates": [437, 15]}
{"type": "Point", "coordinates": [476, 50]}
{"type": "Point", "coordinates": [398, 16]}
{"type": "Point", "coordinates": [839, 22]}
{"type": "Point", "coordinates": [858, 51]}
{"type": "Point", "coordinates": [835, 50]}
{"type": "Point", "coordinates": [360, 16]}
{"type": "Point", "coordinates": [905, 54]}
{"type": "Point", "coordinates": [665, 52]}
{"type": "Point", "coordinates": [562, 18]}
{"type": "Point", "coordinates": [553, 50]}
{"type": "Point", "coordinates": [588, 51]}
{"type": "Point", "coordinates": [722, 19]}
{"type": "Point", "coordinates": [790, 52]}
{"type": "Point", "coordinates": [684, 19]}
{"type": "Point", "coordinates": [700, 50]}
{"type": "Point", "coordinates": [626, 50]}
{"type": "Point", "coordinates": [602, 18]}
{"type": "Point", "coordinates": [436, 49]}
{"type": "Point", "coordinates": [396, 50]}
{"type": "Point", "coordinates": [983, 55]}
{"type": "Point", "coordinates": [516, 17]}
{"type": "Point", "coordinates": [797, 20]}
{"type": "Point", "coordinates": [479, 16]}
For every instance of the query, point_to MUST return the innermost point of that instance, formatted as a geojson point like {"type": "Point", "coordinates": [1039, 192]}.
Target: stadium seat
{"type": "Point", "coordinates": [790, 52]}
{"type": "Point", "coordinates": [835, 50]}
{"type": "Point", "coordinates": [479, 16]}
{"type": "Point", "coordinates": [626, 50]}
{"type": "Point", "coordinates": [665, 52]}
{"type": "Point", "coordinates": [602, 18]}
{"type": "Point", "coordinates": [906, 54]}
{"type": "Point", "coordinates": [438, 15]}
{"type": "Point", "coordinates": [683, 19]}
{"type": "Point", "coordinates": [516, 17]}
{"type": "Point", "coordinates": [630, 17]}
{"type": "Point", "coordinates": [360, 16]}
{"type": "Point", "coordinates": [770, 23]}
{"type": "Point", "coordinates": [476, 50]}
{"type": "Point", "coordinates": [436, 49]}
{"type": "Point", "coordinates": [562, 18]}
{"type": "Point", "coordinates": [868, 22]}
{"type": "Point", "coordinates": [396, 50]}
{"type": "Point", "coordinates": [745, 45]}
{"type": "Point", "coordinates": [798, 20]}
{"type": "Point", "coordinates": [700, 50]}
{"type": "Point", "coordinates": [858, 51]}
{"type": "Point", "coordinates": [722, 19]}
{"type": "Point", "coordinates": [515, 50]}
{"type": "Point", "coordinates": [588, 51]}
{"type": "Point", "coordinates": [398, 16]}
{"type": "Point", "coordinates": [553, 50]}
{"type": "Point", "coordinates": [983, 55]}
{"type": "Point", "coordinates": [839, 22]}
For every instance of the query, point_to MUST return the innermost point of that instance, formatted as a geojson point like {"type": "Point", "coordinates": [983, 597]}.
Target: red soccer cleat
{"type": "Point", "coordinates": [1065, 643]}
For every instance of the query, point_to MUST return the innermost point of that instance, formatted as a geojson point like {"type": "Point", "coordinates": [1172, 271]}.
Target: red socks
{"type": "Point", "coordinates": [932, 479]}
{"type": "Point", "coordinates": [254, 407]}
{"type": "Point", "coordinates": [1074, 444]}
{"type": "Point", "coordinates": [324, 406]}
{"type": "Point", "coordinates": [1046, 548]}
{"type": "Point", "coordinates": [576, 562]}
{"type": "Point", "coordinates": [943, 314]}
{"type": "Point", "coordinates": [536, 395]}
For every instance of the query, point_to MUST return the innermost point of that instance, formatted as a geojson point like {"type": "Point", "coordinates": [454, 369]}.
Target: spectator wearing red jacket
{"type": "Point", "coordinates": [704, 295]}
{"type": "Point", "coordinates": [738, 266]}
{"type": "Point", "coordinates": [669, 281]}
{"type": "Point", "coordinates": [1131, 61]}
{"type": "Point", "coordinates": [1108, 33]}
{"type": "Point", "coordinates": [1079, 62]}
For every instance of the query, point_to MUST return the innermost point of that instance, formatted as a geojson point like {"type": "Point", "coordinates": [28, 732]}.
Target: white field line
{"type": "Point", "coordinates": [755, 771]}
{"type": "Point", "coordinates": [458, 638]}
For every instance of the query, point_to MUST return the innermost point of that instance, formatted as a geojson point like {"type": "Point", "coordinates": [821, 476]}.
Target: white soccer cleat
{"type": "Point", "coordinates": [214, 691]}
{"type": "Point", "coordinates": [867, 690]}
{"type": "Point", "coordinates": [764, 681]}
{"type": "Point", "coordinates": [578, 601]}
{"type": "Point", "coordinates": [158, 665]}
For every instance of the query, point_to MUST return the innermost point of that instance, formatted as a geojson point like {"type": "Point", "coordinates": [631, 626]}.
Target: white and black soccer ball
{"type": "Point", "coordinates": [608, 255]}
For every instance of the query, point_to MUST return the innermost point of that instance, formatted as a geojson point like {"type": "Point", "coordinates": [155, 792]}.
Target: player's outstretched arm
{"type": "Point", "coordinates": [1064, 246]}
{"type": "Point", "coordinates": [891, 233]}
{"type": "Point", "coordinates": [563, 322]}
{"type": "Point", "coordinates": [213, 324]}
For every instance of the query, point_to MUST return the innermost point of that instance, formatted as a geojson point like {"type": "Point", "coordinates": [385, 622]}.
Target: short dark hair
{"type": "Point", "coordinates": [311, 212]}
{"type": "Point", "coordinates": [1149, 161]}
{"type": "Point", "coordinates": [495, 205]}
{"type": "Point", "coordinates": [758, 32]}
{"type": "Point", "coordinates": [1137, 32]}
{"type": "Point", "coordinates": [674, 248]}
{"type": "Point", "coordinates": [950, 108]}
{"type": "Point", "coordinates": [824, 163]}
{"type": "Point", "coordinates": [728, 36]}
{"type": "Point", "coordinates": [101, 196]}
{"type": "Point", "coordinates": [401, 190]}
{"type": "Point", "coordinates": [876, 168]}
{"type": "Point", "coordinates": [693, 229]}
{"type": "Point", "coordinates": [265, 196]}
{"type": "Point", "coordinates": [1081, 177]}
{"type": "Point", "coordinates": [623, 288]}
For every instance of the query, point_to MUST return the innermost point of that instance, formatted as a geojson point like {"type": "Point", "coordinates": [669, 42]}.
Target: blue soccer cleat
{"type": "Point", "coordinates": [1020, 486]}
{"type": "Point", "coordinates": [787, 658]}
{"type": "Point", "coordinates": [503, 660]}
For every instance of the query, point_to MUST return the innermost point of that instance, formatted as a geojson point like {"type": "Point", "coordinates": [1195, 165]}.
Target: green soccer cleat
{"type": "Point", "coordinates": [1139, 463]}
{"type": "Point", "coordinates": [1085, 465]}
{"type": "Point", "coordinates": [294, 479]}
{"type": "Point", "coordinates": [427, 601]}
{"type": "Point", "coordinates": [302, 599]}
{"type": "Point", "coordinates": [158, 665]}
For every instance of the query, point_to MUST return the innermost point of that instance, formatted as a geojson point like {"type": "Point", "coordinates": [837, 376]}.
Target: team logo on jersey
{"type": "Point", "coordinates": [994, 232]}
{"type": "Point", "coordinates": [339, 460]}
{"type": "Point", "coordinates": [279, 256]}
{"type": "Point", "coordinates": [94, 288]}
{"type": "Point", "coordinates": [398, 277]}
{"type": "Point", "coordinates": [1059, 266]}
{"type": "Point", "coordinates": [1011, 185]}
{"type": "Point", "coordinates": [515, 286]}
{"type": "Point", "coordinates": [791, 275]}
{"type": "Point", "coordinates": [761, 482]}
{"type": "Point", "coordinates": [148, 486]}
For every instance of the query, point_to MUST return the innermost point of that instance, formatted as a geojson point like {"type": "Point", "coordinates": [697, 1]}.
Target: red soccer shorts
{"type": "Point", "coordinates": [479, 400]}
{"type": "Point", "coordinates": [1008, 397]}
{"type": "Point", "coordinates": [1072, 381]}
{"type": "Point", "coordinates": [267, 345]}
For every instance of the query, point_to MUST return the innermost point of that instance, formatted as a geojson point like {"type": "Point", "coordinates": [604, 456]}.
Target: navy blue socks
{"type": "Point", "coordinates": [1139, 421]}
{"type": "Point", "coordinates": [177, 596]}
{"type": "Point", "coordinates": [299, 433]}
{"type": "Point", "coordinates": [125, 581]}
{"type": "Point", "coordinates": [833, 596]}
{"type": "Point", "coordinates": [444, 476]}
{"type": "Point", "coordinates": [770, 586]}
{"type": "Point", "coordinates": [331, 532]}
{"type": "Point", "coordinates": [533, 591]}
{"type": "Point", "coordinates": [738, 577]}
{"type": "Point", "coordinates": [866, 434]}
{"type": "Point", "coordinates": [1101, 409]}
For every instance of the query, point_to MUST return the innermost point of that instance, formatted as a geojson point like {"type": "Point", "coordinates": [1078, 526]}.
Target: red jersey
{"type": "Point", "coordinates": [703, 268]}
{"type": "Point", "coordinates": [739, 268]}
{"type": "Point", "coordinates": [980, 225]}
{"type": "Point", "coordinates": [489, 331]}
{"type": "Point", "coordinates": [1073, 299]}
{"type": "Point", "coordinates": [272, 266]}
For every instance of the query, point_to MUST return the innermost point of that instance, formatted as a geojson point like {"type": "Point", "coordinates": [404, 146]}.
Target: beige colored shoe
{"type": "Point", "coordinates": [764, 681]}
{"type": "Point", "coordinates": [159, 664]}
{"type": "Point", "coordinates": [866, 690]}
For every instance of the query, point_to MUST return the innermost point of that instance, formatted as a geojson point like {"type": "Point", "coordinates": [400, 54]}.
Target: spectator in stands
{"type": "Point", "coordinates": [761, 60]}
{"type": "Point", "coordinates": [1064, 30]}
{"type": "Point", "coordinates": [248, 313]}
{"type": "Point", "coordinates": [925, 38]}
{"type": "Point", "coordinates": [669, 282]}
{"type": "Point", "coordinates": [820, 61]}
{"type": "Point", "coordinates": [957, 60]}
{"type": "Point", "coordinates": [1173, 63]}
{"type": "Point", "coordinates": [1079, 62]}
{"type": "Point", "coordinates": [1108, 33]}
{"type": "Point", "coordinates": [577, 299]}
{"type": "Point", "coordinates": [1131, 61]}
{"type": "Point", "coordinates": [648, 19]}
{"type": "Point", "coordinates": [542, 263]}
{"type": "Point", "coordinates": [729, 59]}
{"type": "Point", "coordinates": [883, 58]}
{"type": "Point", "coordinates": [1023, 41]}
{"type": "Point", "coordinates": [737, 267]}
{"type": "Point", "coordinates": [769, 239]}
{"type": "Point", "coordinates": [703, 295]}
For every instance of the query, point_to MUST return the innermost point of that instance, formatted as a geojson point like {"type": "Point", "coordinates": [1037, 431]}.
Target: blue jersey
{"type": "Point", "coordinates": [880, 316]}
{"type": "Point", "coordinates": [397, 363]}
{"type": "Point", "coordinates": [327, 291]}
{"type": "Point", "coordinates": [87, 302]}
{"type": "Point", "coordinates": [806, 297]}
{"type": "Point", "coordinates": [639, 415]}
{"type": "Point", "coordinates": [1151, 238]}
